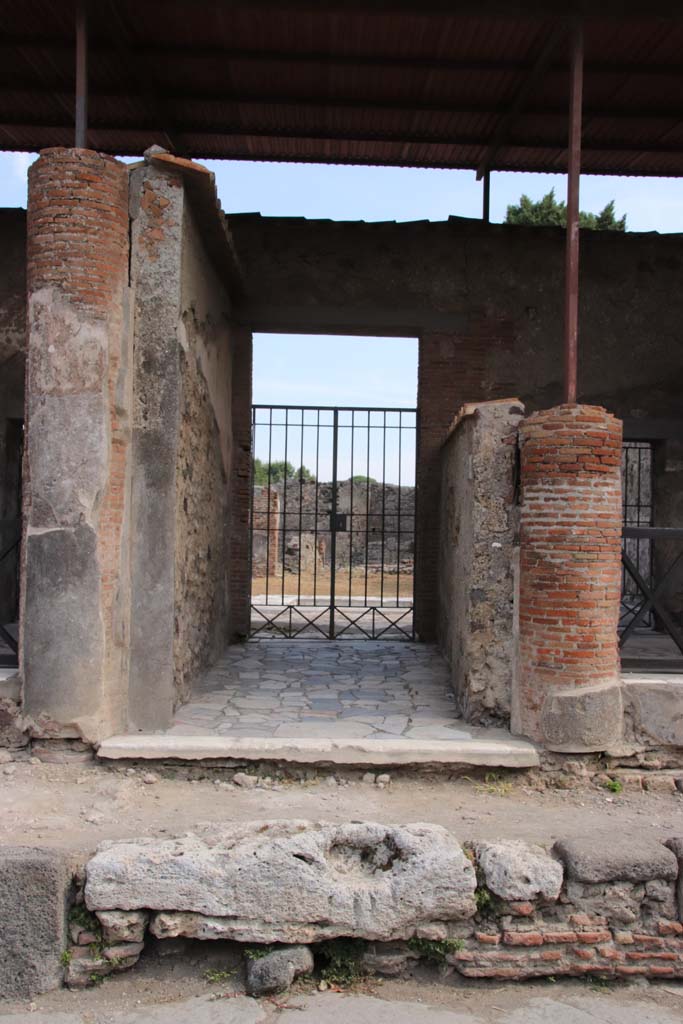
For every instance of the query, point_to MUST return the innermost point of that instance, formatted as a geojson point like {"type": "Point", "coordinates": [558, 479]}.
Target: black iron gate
{"type": "Point", "coordinates": [332, 522]}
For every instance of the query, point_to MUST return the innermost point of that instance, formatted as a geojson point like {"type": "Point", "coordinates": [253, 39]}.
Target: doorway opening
{"type": "Point", "coordinates": [332, 515]}
{"type": "Point", "coordinates": [333, 522]}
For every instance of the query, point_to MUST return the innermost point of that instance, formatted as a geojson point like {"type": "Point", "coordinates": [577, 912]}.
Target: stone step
{"type": "Point", "coordinates": [489, 753]}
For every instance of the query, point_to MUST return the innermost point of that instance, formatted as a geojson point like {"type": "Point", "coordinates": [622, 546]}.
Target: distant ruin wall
{"type": "Point", "coordinates": [377, 527]}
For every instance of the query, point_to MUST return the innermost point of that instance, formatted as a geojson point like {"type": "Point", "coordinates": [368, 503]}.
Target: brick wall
{"type": "Point", "coordinates": [570, 577]}
{"type": "Point", "coordinates": [77, 440]}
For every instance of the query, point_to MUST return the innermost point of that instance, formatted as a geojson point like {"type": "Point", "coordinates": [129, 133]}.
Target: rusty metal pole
{"type": "Point", "coordinates": [571, 303]}
{"type": "Point", "coordinates": [486, 212]}
{"type": "Point", "coordinates": [81, 140]}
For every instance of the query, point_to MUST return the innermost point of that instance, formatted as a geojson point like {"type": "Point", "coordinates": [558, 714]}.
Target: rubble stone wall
{"type": "Point", "coordinates": [203, 466]}
{"type": "Point", "coordinates": [478, 541]}
{"type": "Point", "coordinates": [379, 526]}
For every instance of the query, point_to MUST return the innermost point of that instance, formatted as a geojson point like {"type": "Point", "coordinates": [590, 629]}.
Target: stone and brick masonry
{"type": "Point", "coordinates": [570, 579]}
{"type": "Point", "coordinates": [503, 909]}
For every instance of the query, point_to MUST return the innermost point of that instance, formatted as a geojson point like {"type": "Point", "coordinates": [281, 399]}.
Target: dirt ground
{"type": "Point", "coordinates": [320, 585]}
{"type": "Point", "coordinates": [75, 806]}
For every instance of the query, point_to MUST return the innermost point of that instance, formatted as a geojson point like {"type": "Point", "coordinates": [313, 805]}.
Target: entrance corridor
{"type": "Point", "coordinates": [344, 702]}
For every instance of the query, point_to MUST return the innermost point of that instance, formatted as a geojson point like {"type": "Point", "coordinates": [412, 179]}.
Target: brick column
{"type": "Point", "coordinates": [74, 615]}
{"type": "Point", "coordinates": [568, 692]}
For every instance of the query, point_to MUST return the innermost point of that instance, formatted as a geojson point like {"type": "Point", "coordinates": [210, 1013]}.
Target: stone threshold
{"type": "Point", "coordinates": [487, 753]}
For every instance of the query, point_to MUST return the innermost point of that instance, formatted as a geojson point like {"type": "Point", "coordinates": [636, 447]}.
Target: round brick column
{"type": "Point", "coordinates": [568, 693]}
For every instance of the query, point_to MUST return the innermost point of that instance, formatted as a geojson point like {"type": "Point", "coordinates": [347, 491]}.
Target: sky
{"type": "Point", "coordinates": [291, 369]}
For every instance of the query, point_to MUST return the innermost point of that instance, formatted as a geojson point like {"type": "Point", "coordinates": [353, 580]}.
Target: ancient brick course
{"type": "Point", "coordinates": [570, 572]}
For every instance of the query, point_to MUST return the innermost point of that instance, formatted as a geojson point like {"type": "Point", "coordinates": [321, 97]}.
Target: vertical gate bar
{"type": "Point", "coordinates": [384, 500]}
{"type": "Point", "coordinates": [571, 310]}
{"type": "Point", "coordinates": [486, 204]}
{"type": "Point", "coordinates": [353, 428]}
{"type": "Point", "coordinates": [398, 516]}
{"type": "Point", "coordinates": [367, 515]}
{"type": "Point", "coordinates": [333, 521]}
{"type": "Point", "coordinates": [315, 523]}
{"type": "Point", "coordinates": [284, 505]}
{"type": "Point", "coordinates": [270, 463]}
{"type": "Point", "coordinates": [252, 488]}
{"type": "Point", "coordinates": [81, 106]}
{"type": "Point", "coordinates": [301, 502]}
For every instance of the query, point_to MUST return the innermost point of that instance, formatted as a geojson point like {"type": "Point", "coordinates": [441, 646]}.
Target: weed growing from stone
{"type": "Point", "coordinates": [614, 786]}
{"type": "Point", "coordinates": [257, 952]}
{"type": "Point", "coordinates": [343, 961]}
{"type": "Point", "coordinates": [66, 957]}
{"type": "Point", "coordinates": [494, 785]}
{"type": "Point", "coordinates": [217, 977]}
{"type": "Point", "coordinates": [484, 900]}
{"type": "Point", "coordinates": [435, 950]}
{"type": "Point", "coordinates": [80, 915]}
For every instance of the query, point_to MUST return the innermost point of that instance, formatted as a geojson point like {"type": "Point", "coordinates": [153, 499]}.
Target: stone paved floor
{"type": "Point", "coordinates": [340, 690]}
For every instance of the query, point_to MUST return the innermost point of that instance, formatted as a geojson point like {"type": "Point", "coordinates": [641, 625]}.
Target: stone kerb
{"type": "Point", "coordinates": [568, 693]}
{"type": "Point", "coordinates": [502, 909]}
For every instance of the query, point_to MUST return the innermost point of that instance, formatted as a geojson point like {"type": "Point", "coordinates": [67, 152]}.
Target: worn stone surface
{"type": "Point", "coordinates": [588, 718]}
{"type": "Point", "coordinates": [477, 538]}
{"type": "Point", "coordinates": [388, 958]}
{"type": "Point", "coordinates": [515, 870]}
{"type": "Point", "coordinates": [123, 925]}
{"type": "Point", "coordinates": [34, 889]}
{"type": "Point", "coordinates": [653, 711]}
{"type": "Point", "coordinates": [640, 860]}
{"type": "Point", "coordinates": [676, 847]}
{"type": "Point", "coordinates": [289, 881]}
{"type": "Point", "coordinates": [276, 971]}
{"type": "Point", "coordinates": [156, 248]}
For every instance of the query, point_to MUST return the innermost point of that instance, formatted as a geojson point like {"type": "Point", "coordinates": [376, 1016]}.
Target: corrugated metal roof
{"type": "Point", "coordinates": [403, 83]}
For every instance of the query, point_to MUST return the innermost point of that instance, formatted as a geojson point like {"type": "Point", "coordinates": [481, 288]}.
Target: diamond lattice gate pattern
{"type": "Point", "coordinates": [333, 522]}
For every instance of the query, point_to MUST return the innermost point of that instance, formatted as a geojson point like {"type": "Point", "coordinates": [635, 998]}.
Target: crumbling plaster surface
{"type": "Point", "coordinates": [204, 461]}
{"type": "Point", "coordinates": [478, 539]}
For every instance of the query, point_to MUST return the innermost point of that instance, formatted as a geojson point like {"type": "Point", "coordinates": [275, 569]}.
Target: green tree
{"type": "Point", "coordinates": [279, 471]}
{"type": "Point", "coordinates": [360, 479]}
{"type": "Point", "coordinates": [551, 212]}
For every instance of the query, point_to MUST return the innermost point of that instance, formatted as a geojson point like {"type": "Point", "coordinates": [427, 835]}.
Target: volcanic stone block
{"type": "Point", "coordinates": [288, 881]}
{"type": "Point", "coordinates": [276, 971]}
{"type": "Point", "coordinates": [34, 890]}
{"type": "Point", "coordinates": [514, 870]}
{"type": "Point", "coordinates": [676, 847]}
{"type": "Point", "coordinates": [600, 860]}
